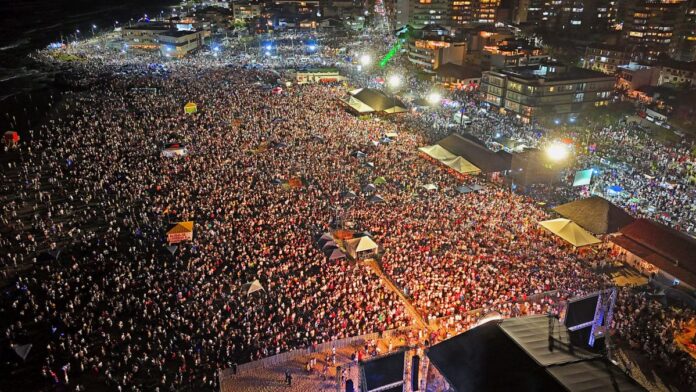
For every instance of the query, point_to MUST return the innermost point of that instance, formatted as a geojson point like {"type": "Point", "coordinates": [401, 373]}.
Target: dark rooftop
{"type": "Point", "coordinates": [178, 33]}
{"type": "Point", "coordinates": [532, 72]}
{"type": "Point", "coordinates": [460, 72]}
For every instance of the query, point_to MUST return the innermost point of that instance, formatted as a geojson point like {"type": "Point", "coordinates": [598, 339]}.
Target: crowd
{"type": "Point", "coordinates": [649, 326]}
{"type": "Point", "coordinates": [116, 306]}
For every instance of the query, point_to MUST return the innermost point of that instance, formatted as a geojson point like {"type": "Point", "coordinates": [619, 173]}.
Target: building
{"type": "Point", "coordinates": [547, 89]}
{"type": "Point", "coordinates": [587, 15]}
{"type": "Point", "coordinates": [342, 8]}
{"type": "Point", "coordinates": [144, 36]}
{"type": "Point", "coordinates": [247, 10]}
{"type": "Point", "coordinates": [486, 35]}
{"type": "Point", "coordinates": [650, 25]}
{"type": "Point", "coordinates": [403, 12]}
{"type": "Point", "coordinates": [420, 13]}
{"type": "Point", "coordinates": [580, 15]}
{"type": "Point", "coordinates": [459, 77]}
{"type": "Point", "coordinates": [178, 44]}
{"type": "Point", "coordinates": [659, 251]}
{"type": "Point", "coordinates": [318, 75]}
{"type": "Point", "coordinates": [511, 54]}
{"type": "Point", "coordinates": [684, 45]}
{"type": "Point", "coordinates": [633, 76]}
{"type": "Point", "coordinates": [677, 74]}
{"type": "Point", "coordinates": [464, 12]}
{"type": "Point", "coordinates": [537, 13]}
{"type": "Point", "coordinates": [430, 47]}
{"type": "Point", "coordinates": [606, 58]}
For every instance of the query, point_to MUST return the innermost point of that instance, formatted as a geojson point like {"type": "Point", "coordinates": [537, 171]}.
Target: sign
{"type": "Point", "coordinates": [182, 231]}
{"type": "Point", "coordinates": [582, 177]}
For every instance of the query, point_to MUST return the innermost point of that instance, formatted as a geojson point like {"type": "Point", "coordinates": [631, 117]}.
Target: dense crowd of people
{"type": "Point", "coordinates": [649, 326]}
{"type": "Point", "coordinates": [117, 306]}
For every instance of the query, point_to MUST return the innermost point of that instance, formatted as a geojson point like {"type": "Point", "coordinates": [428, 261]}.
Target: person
{"type": "Point", "coordinates": [288, 378]}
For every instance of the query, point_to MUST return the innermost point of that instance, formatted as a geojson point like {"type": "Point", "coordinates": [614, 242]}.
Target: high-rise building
{"type": "Point", "coordinates": [450, 13]}
{"type": "Point", "coordinates": [546, 89]}
{"type": "Point", "coordinates": [684, 45]}
{"type": "Point", "coordinates": [473, 11]}
{"type": "Point", "coordinates": [541, 13]}
{"type": "Point", "coordinates": [432, 46]}
{"type": "Point", "coordinates": [587, 15]}
{"type": "Point", "coordinates": [420, 13]}
{"type": "Point", "coordinates": [650, 25]}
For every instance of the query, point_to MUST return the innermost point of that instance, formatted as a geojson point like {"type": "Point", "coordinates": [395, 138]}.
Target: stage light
{"type": "Point", "coordinates": [557, 152]}
{"type": "Point", "coordinates": [365, 60]}
{"type": "Point", "coordinates": [434, 98]}
{"type": "Point", "coordinates": [394, 81]}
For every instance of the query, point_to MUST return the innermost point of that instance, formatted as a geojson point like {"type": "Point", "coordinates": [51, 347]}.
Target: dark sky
{"type": "Point", "coordinates": [41, 20]}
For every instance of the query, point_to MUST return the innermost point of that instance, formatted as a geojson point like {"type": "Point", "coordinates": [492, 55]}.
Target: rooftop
{"type": "Point", "coordinates": [460, 72]}
{"type": "Point", "coordinates": [553, 71]}
{"type": "Point", "coordinates": [634, 67]}
{"type": "Point", "coordinates": [148, 26]}
{"type": "Point", "coordinates": [681, 65]}
{"type": "Point", "coordinates": [179, 33]}
{"type": "Point", "coordinates": [613, 48]}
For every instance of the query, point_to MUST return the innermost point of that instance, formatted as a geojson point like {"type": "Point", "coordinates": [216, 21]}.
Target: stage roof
{"type": "Point", "coordinates": [592, 376]}
{"type": "Point", "coordinates": [518, 354]}
{"type": "Point", "coordinates": [532, 335]}
{"type": "Point", "coordinates": [376, 100]}
{"type": "Point", "coordinates": [480, 156]}
{"type": "Point", "coordinates": [595, 214]}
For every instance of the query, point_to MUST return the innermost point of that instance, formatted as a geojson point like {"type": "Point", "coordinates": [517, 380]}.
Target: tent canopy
{"type": "Point", "coordinates": [376, 199]}
{"type": "Point", "coordinates": [376, 100]}
{"type": "Point", "coordinates": [22, 350]}
{"type": "Point", "coordinates": [595, 214]}
{"type": "Point", "coordinates": [461, 165]}
{"type": "Point", "coordinates": [337, 254]}
{"type": "Point", "coordinates": [476, 153]}
{"type": "Point", "coordinates": [437, 152]}
{"type": "Point", "coordinates": [252, 287]}
{"type": "Point", "coordinates": [430, 187]}
{"type": "Point", "coordinates": [181, 227]}
{"type": "Point", "coordinates": [357, 245]}
{"type": "Point", "coordinates": [569, 231]}
{"type": "Point", "coordinates": [190, 108]}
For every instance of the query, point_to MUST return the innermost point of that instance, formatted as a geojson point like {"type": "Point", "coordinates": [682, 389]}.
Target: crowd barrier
{"type": "Point", "coordinates": [275, 360]}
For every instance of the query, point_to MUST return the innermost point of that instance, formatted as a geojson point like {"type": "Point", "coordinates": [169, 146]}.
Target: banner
{"type": "Point", "coordinates": [583, 177]}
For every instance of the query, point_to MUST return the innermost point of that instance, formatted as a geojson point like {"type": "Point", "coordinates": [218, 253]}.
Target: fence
{"type": "Point", "coordinates": [276, 360]}
{"type": "Point", "coordinates": [285, 357]}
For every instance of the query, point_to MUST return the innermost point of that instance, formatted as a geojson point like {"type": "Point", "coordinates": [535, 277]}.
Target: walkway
{"type": "Point", "coordinates": [388, 283]}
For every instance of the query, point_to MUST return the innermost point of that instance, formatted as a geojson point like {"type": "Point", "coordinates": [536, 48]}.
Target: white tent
{"type": "Point", "coordinates": [252, 287]}
{"type": "Point", "coordinates": [570, 231]}
{"type": "Point", "coordinates": [430, 187]}
{"type": "Point", "coordinates": [358, 246]}
{"type": "Point", "coordinates": [461, 165]}
{"type": "Point", "coordinates": [437, 152]}
{"type": "Point", "coordinates": [22, 350]}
